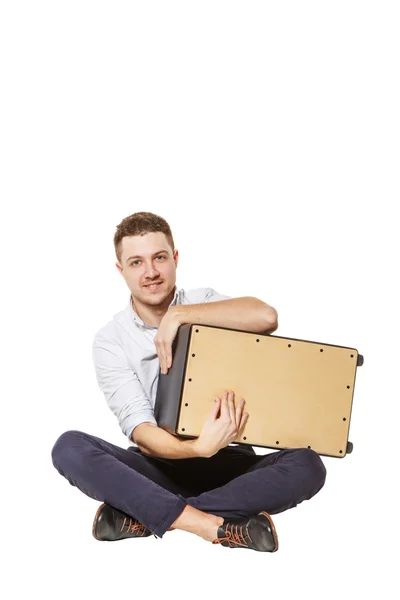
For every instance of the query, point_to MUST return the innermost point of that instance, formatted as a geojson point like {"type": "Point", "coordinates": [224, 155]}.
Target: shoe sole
{"type": "Point", "coordinates": [273, 529]}
{"type": "Point", "coordinates": [95, 521]}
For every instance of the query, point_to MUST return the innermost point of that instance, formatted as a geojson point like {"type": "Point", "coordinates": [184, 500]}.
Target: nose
{"type": "Point", "coordinates": [151, 272]}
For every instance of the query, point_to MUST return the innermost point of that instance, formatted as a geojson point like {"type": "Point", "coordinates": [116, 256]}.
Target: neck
{"type": "Point", "coordinates": [152, 315]}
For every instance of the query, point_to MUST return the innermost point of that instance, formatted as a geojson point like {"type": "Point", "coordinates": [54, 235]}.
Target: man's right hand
{"type": "Point", "coordinates": [220, 431]}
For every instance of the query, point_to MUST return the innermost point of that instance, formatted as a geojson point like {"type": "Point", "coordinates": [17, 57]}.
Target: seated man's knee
{"type": "Point", "coordinates": [64, 446]}
{"type": "Point", "coordinates": [315, 466]}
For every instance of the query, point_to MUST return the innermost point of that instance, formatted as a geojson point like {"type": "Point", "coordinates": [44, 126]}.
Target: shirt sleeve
{"type": "Point", "coordinates": [120, 385]}
{"type": "Point", "coordinates": [213, 296]}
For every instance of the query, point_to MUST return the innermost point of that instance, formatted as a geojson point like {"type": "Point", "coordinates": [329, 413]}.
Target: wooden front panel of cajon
{"type": "Point", "coordinates": [298, 393]}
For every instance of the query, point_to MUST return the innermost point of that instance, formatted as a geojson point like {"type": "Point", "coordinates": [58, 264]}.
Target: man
{"type": "Point", "coordinates": [221, 492]}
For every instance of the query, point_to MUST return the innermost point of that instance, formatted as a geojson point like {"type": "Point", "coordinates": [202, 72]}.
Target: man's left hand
{"type": "Point", "coordinates": [166, 333]}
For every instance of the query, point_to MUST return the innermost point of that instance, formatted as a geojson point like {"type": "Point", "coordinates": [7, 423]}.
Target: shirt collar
{"type": "Point", "coordinates": [136, 317]}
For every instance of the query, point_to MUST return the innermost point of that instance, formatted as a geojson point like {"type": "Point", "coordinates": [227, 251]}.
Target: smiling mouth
{"type": "Point", "coordinates": [152, 286]}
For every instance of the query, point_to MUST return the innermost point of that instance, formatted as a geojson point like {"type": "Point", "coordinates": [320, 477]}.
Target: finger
{"type": "Point", "coordinates": [215, 408]}
{"type": "Point", "coordinates": [224, 405]}
{"type": "Point", "coordinates": [158, 352]}
{"type": "Point", "coordinates": [231, 406]}
{"type": "Point", "coordinates": [243, 423]}
{"type": "Point", "coordinates": [162, 359]}
{"type": "Point", "coordinates": [169, 357]}
{"type": "Point", "coordinates": [239, 409]}
{"type": "Point", "coordinates": [166, 357]}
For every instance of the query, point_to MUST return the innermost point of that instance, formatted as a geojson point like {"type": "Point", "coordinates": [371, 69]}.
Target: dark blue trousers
{"type": "Point", "coordinates": [235, 482]}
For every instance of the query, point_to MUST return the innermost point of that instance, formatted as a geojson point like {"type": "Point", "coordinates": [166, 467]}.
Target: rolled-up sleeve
{"type": "Point", "coordinates": [213, 296]}
{"type": "Point", "coordinates": [120, 385]}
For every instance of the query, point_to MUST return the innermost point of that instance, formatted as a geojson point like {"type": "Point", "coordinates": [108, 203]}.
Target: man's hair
{"type": "Point", "coordinates": [141, 223]}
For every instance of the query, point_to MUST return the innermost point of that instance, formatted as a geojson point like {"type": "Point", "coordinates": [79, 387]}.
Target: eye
{"type": "Point", "coordinates": [137, 261]}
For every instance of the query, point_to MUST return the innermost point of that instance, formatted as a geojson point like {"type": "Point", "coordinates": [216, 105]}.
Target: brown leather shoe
{"type": "Point", "coordinates": [111, 524]}
{"type": "Point", "coordinates": [256, 533]}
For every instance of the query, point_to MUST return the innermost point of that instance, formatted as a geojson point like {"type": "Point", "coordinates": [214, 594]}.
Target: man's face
{"type": "Point", "coordinates": [146, 259]}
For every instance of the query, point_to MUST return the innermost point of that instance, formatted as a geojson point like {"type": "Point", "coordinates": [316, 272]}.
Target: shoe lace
{"type": "Point", "coordinates": [234, 538]}
{"type": "Point", "coordinates": [133, 526]}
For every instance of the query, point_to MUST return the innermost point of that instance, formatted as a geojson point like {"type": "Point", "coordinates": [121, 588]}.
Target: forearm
{"type": "Point", "coordinates": [157, 442]}
{"type": "Point", "coordinates": [247, 314]}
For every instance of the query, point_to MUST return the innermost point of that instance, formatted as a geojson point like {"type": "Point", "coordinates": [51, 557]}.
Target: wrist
{"type": "Point", "coordinates": [197, 450]}
{"type": "Point", "coordinates": [177, 313]}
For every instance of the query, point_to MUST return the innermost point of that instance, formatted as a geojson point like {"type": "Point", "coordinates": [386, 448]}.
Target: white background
{"type": "Point", "coordinates": [267, 135]}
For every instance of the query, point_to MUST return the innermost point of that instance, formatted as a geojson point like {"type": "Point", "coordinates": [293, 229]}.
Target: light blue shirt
{"type": "Point", "coordinates": [126, 362]}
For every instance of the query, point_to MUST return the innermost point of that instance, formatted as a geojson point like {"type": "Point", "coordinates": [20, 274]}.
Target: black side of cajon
{"type": "Point", "coordinates": [169, 390]}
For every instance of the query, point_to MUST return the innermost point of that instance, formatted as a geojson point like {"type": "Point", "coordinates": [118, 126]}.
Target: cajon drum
{"type": "Point", "coordinates": [298, 393]}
